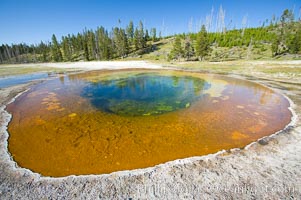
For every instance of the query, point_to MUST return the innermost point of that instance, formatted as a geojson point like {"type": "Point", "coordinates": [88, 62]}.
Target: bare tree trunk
{"type": "Point", "coordinates": [244, 24]}
{"type": "Point", "coordinates": [1, 58]}
{"type": "Point", "coordinates": [249, 52]}
{"type": "Point", "coordinates": [97, 46]}
{"type": "Point", "coordinates": [7, 52]}
{"type": "Point", "coordinates": [190, 25]}
{"type": "Point", "coordinates": [221, 20]}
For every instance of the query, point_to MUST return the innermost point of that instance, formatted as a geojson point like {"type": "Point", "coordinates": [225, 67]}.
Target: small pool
{"type": "Point", "coordinates": [8, 81]}
{"type": "Point", "coordinates": [104, 121]}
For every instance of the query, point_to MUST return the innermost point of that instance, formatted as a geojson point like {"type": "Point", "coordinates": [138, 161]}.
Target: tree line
{"type": "Point", "coordinates": [194, 46]}
{"type": "Point", "coordinates": [99, 44]}
{"type": "Point", "coordinates": [288, 37]}
{"type": "Point", "coordinates": [283, 36]}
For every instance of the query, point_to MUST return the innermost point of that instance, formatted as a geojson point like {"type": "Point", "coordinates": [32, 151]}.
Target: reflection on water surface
{"type": "Point", "coordinates": [145, 94]}
{"type": "Point", "coordinates": [8, 81]}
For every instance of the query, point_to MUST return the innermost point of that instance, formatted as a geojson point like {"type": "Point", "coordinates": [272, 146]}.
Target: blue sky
{"type": "Point", "coordinates": [31, 21]}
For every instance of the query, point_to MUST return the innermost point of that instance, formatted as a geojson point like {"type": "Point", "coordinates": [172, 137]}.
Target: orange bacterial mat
{"type": "Point", "coordinates": [105, 121]}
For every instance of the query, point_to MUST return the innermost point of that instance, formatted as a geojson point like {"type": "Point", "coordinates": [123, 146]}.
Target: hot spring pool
{"type": "Point", "coordinates": [105, 121]}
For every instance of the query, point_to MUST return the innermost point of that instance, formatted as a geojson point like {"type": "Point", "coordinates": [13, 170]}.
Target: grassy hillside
{"type": "Point", "coordinates": [281, 40]}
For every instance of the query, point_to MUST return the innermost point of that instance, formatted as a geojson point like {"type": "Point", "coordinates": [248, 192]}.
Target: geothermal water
{"type": "Point", "coordinates": [105, 121]}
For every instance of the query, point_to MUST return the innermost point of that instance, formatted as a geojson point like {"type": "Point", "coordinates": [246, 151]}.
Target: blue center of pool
{"type": "Point", "coordinates": [145, 94]}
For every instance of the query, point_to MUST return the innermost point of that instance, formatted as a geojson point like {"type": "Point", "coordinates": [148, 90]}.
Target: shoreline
{"type": "Point", "coordinates": [156, 173]}
{"type": "Point", "coordinates": [92, 65]}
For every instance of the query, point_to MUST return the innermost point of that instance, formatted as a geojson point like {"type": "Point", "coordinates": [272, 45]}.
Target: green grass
{"type": "Point", "coordinates": [218, 54]}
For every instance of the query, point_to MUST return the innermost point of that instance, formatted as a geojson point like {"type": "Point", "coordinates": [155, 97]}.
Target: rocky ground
{"type": "Point", "coordinates": [267, 169]}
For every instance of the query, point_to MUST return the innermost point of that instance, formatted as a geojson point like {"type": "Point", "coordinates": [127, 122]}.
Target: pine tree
{"type": "Point", "coordinates": [160, 35]}
{"type": "Point", "coordinates": [141, 36]}
{"type": "Point", "coordinates": [295, 43]}
{"type": "Point", "coordinates": [90, 38]}
{"type": "Point", "coordinates": [124, 43]}
{"type": "Point", "coordinates": [153, 33]}
{"type": "Point", "coordinates": [66, 48]}
{"type": "Point", "coordinates": [108, 47]}
{"type": "Point", "coordinates": [120, 42]}
{"type": "Point", "coordinates": [146, 37]}
{"type": "Point", "coordinates": [85, 47]}
{"type": "Point", "coordinates": [79, 42]}
{"type": "Point", "coordinates": [275, 46]}
{"type": "Point", "coordinates": [55, 50]}
{"type": "Point", "coordinates": [202, 47]}
{"type": "Point", "coordinates": [136, 39]}
{"type": "Point", "coordinates": [286, 20]}
{"type": "Point", "coordinates": [188, 49]}
{"type": "Point", "coordinates": [287, 17]}
{"type": "Point", "coordinates": [177, 51]}
{"type": "Point", "coordinates": [43, 49]}
{"type": "Point", "coordinates": [130, 31]}
{"type": "Point", "coordinates": [104, 44]}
